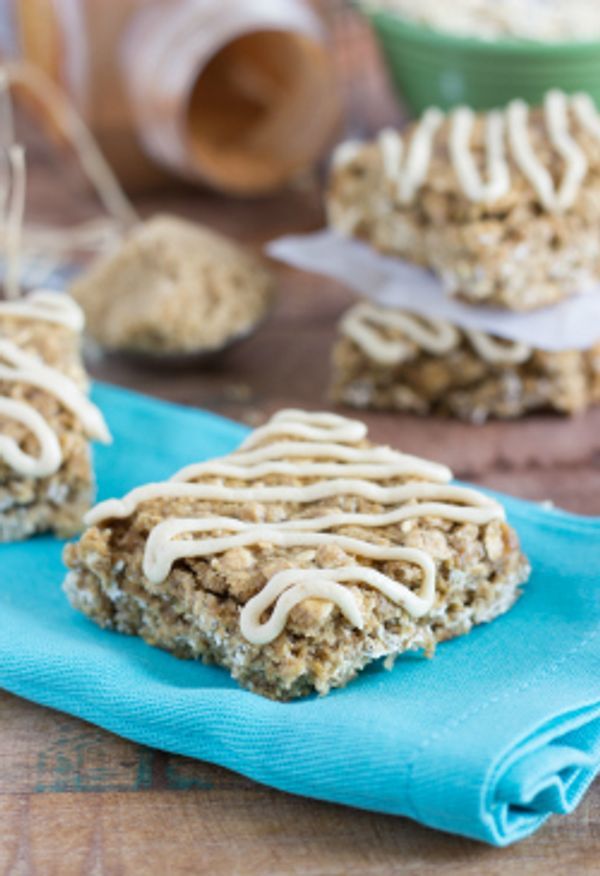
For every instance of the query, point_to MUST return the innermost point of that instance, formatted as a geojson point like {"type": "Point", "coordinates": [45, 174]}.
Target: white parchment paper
{"type": "Point", "coordinates": [573, 324]}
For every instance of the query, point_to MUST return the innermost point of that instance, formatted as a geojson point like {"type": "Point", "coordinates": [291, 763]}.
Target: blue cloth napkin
{"type": "Point", "coordinates": [498, 731]}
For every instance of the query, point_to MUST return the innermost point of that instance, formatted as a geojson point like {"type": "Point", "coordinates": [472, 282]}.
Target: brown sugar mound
{"type": "Point", "coordinates": [173, 287]}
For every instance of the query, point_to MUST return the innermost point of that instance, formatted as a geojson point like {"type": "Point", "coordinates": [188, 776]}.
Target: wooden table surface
{"type": "Point", "coordinates": [75, 799]}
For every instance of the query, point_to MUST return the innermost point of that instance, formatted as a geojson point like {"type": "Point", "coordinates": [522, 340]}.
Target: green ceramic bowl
{"type": "Point", "coordinates": [431, 68]}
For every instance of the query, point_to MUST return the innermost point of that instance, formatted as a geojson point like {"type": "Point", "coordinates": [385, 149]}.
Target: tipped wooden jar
{"type": "Point", "coordinates": [237, 94]}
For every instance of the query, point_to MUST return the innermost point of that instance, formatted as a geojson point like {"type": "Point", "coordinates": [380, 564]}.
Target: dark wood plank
{"type": "Point", "coordinates": [74, 799]}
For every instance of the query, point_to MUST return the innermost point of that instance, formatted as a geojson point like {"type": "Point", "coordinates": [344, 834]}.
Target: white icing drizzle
{"type": "Point", "coordinates": [555, 111]}
{"type": "Point", "coordinates": [354, 457]}
{"type": "Point", "coordinates": [310, 425]}
{"type": "Point", "coordinates": [506, 132]}
{"type": "Point", "coordinates": [344, 153]}
{"type": "Point", "coordinates": [392, 148]}
{"type": "Point", "coordinates": [17, 366]}
{"type": "Point", "coordinates": [240, 470]}
{"type": "Point", "coordinates": [315, 492]}
{"type": "Point", "coordinates": [50, 456]}
{"type": "Point", "coordinates": [22, 367]}
{"type": "Point", "coordinates": [497, 164]}
{"type": "Point", "coordinates": [461, 128]}
{"type": "Point", "coordinates": [164, 547]}
{"type": "Point", "coordinates": [576, 164]}
{"type": "Point", "coordinates": [525, 157]}
{"type": "Point", "coordinates": [418, 156]}
{"type": "Point", "coordinates": [46, 306]}
{"type": "Point", "coordinates": [434, 336]}
{"type": "Point", "coordinates": [496, 352]}
{"type": "Point", "coordinates": [586, 113]}
{"type": "Point", "coordinates": [349, 470]}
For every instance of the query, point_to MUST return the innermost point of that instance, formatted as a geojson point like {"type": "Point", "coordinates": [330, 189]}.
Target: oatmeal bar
{"type": "Point", "coordinates": [503, 206]}
{"type": "Point", "coordinates": [174, 287]}
{"type": "Point", "coordinates": [46, 419]}
{"type": "Point", "coordinates": [298, 559]}
{"type": "Point", "coordinates": [394, 360]}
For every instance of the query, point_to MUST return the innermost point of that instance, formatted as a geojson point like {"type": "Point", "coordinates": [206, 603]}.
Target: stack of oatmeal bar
{"type": "Point", "coordinates": [503, 207]}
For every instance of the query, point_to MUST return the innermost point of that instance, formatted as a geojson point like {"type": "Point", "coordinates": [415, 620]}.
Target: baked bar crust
{"type": "Point", "coordinates": [503, 206]}
{"type": "Point", "coordinates": [475, 378]}
{"type": "Point", "coordinates": [39, 341]}
{"type": "Point", "coordinates": [298, 559]}
{"type": "Point", "coordinates": [174, 287]}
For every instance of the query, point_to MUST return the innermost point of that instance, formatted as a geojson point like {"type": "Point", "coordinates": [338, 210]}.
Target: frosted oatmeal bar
{"type": "Point", "coordinates": [173, 287]}
{"type": "Point", "coordinates": [394, 360]}
{"type": "Point", "coordinates": [298, 559]}
{"type": "Point", "coordinates": [503, 206]}
{"type": "Point", "coordinates": [46, 418]}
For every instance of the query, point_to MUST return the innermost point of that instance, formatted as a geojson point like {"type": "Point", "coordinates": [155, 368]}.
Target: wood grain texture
{"type": "Point", "coordinates": [75, 799]}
